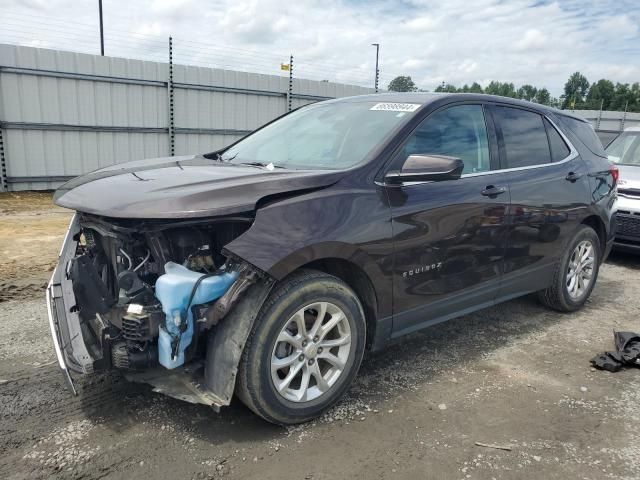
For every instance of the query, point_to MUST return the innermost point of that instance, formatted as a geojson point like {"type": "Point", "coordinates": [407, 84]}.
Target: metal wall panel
{"type": "Point", "coordinates": [609, 120]}
{"type": "Point", "coordinates": [64, 113]}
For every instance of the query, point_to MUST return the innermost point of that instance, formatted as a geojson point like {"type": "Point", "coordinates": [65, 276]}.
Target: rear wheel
{"type": "Point", "coordinates": [304, 350]}
{"type": "Point", "coordinates": [576, 273]}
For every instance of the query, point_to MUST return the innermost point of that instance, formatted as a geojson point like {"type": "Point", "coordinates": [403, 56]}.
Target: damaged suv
{"type": "Point", "coordinates": [267, 268]}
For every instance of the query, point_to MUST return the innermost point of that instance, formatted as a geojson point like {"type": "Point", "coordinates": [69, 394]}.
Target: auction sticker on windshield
{"type": "Point", "coordinates": [396, 107]}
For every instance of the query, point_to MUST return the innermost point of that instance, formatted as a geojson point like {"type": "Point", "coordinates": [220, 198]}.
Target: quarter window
{"type": "Point", "coordinates": [524, 137]}
{"type": "Point", "coordinates": [559, 149]}
{"type": "Point", "coordinates": [458, 131]}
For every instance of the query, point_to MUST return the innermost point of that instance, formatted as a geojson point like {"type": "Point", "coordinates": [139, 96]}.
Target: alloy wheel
{"type": "Point", "coordinates": [580, 269]}
{"type": "Point", "coordinates": [311, 352]}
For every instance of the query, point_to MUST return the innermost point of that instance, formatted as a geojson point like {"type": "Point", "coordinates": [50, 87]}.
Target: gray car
{"type": "Point", "coordinates": [625, 152]}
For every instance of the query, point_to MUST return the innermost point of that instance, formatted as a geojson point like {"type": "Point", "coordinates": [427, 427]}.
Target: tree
{"type": "Point", "coordinates": [626, 97]}
{"type": "Point", "coordinates": [475, 88]}
{"type": "Point", "coordinates": [543, 97]}
{"type": "Point", "coordinates": [600, 94]}
{"type": "Point", "coordinates": [448, 88]}
{"type": "Point", "coordinates": [634, 106]}
{"type": "Point", "coordinates": [603, 93]}
{"type": "Point", "coordinates": [555, 102]}
{"type": "Point", "coordinates": [402, 84]}
{"type": "Point", "coordinates": [503, 89]}
{"type": "Point", "coordinates": [575, 90]}
{"type": "Point", "coordinates": [527, 92]}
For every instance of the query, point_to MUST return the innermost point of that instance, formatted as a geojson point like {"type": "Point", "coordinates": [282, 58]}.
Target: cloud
{"type": "Point", "coordinates": [456, 41]}
{"type": "Point", "coordinates": [620, 25]}
{"type": "Point", "coordinates": [532, 39]}
{"type": "Point", "coordinates": [422, 23]}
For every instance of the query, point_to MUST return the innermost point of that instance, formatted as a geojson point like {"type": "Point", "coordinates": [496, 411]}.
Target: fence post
{"type": "Point", "coordinates": [624, 116]}
{"type": "Point", "coordinates": [290, 92]}
{"type": "Point", "coordinates": [599, 115]}
{"type": "Point", "coordinates": [172, 137]}
{"type": "Point", "coordinates": [3, 161]}
{"type": "Point", "coordinates": [3, 165]}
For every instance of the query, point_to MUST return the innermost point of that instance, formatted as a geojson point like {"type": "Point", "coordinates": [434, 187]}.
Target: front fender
{"type": "Point", "coordinates": [319, 251]}
{"type": "Point", "coordinates": [334, 223]}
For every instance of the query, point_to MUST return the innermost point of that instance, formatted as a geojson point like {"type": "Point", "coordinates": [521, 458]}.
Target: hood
{"type": "Point", "coordinates": [183, 187]}
{"type": "Point", "coordinates": [629, 177]}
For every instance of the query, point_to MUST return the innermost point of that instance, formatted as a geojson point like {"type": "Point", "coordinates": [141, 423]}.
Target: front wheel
{"type": "Point", "coordinates": [576, 273]}
{"type": "Point", "coordinates": [304, 350]}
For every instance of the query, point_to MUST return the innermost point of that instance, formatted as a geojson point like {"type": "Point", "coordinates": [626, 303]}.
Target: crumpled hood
{"type": "Point", "coordinates": [182, 187]}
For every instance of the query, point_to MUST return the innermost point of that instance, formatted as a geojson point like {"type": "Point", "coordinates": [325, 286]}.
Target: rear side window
{"type": "Point", "coordinates": [524, 136]}
{"type": "Point", "coordinates": [585, 133]}
{"type": "Point", "coordinates": [559, 149]}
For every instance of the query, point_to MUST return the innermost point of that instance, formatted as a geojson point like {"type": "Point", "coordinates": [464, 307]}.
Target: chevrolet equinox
{"type": "Point", "coordinates": [267, 268]}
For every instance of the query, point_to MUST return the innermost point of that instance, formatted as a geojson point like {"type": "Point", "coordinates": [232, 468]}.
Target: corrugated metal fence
{"type": "Point", "coordinates": [608, 124]}
{"type": "Point", "coordinates": [63, 114]}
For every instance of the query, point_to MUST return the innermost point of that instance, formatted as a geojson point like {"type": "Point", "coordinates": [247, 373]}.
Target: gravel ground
{"type": "Point", "coordinates": [515, 376]}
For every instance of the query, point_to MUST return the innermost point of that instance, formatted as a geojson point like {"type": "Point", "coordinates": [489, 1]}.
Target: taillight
{"type": "Point", "coordinates": [615, 173]}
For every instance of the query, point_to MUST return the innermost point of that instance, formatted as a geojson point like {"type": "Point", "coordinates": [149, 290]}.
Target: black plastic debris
{"type": "Point", "coordinates": [627, 353]}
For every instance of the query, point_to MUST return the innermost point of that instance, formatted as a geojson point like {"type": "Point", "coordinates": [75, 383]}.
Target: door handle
{"type": "Point", "coordinates": [493, 191]}
{"type": "Point", "coordinates": [572, 176]}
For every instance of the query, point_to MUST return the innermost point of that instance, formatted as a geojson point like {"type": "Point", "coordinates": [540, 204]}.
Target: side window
{"type": "Point", "coordinates": [585, 133]}
{"type": "Point", "coordinates": [524, 136]}
{"type": "Point", "coordinates": [559, 149]}
{"type": "Point", "coordinates": [458, 131]}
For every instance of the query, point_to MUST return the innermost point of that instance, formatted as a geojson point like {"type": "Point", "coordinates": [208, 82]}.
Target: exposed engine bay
{"type": "Point", "coordinates": [147, 293]}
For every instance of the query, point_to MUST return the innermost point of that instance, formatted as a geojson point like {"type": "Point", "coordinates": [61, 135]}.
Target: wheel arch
{"type": "Point", "coordinates": [359, 281]}
{"type": "Point", "coordinates": [595, 222]}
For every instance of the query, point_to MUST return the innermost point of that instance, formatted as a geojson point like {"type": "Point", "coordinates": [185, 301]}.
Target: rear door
{"type": "Point", "coordinates": [449, 236]}
{"type": "Point", "coordinates": [549, 191]}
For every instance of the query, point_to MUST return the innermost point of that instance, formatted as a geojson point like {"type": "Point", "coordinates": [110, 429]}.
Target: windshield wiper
{"type": "Point", "coordinates": [269, 166]}
{"type": "Point", "coordinates": [219, 157]}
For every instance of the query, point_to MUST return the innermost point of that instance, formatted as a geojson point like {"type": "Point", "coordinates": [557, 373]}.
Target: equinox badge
{"type": "Point", "coordinates": [422, 269]}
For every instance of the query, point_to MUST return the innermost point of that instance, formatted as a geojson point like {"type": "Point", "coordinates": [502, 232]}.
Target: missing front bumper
{"type": "Point", "coordinates": [57, 345]}
{"type": "Point", "coordinates": [66, 332]}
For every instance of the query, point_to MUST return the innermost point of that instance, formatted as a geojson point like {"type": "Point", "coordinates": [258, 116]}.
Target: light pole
{"type": "Point", "coordinates": [101, 31]}
{"type": "Point", "coordinates": [377, 45]}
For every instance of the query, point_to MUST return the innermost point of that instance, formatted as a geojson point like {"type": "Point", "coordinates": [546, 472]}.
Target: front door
{"type": "Point", "coordinates": [449, 236]}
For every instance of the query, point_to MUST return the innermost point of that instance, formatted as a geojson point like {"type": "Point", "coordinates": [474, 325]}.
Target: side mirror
{"type": "Point", "coordinates": [424, 168]}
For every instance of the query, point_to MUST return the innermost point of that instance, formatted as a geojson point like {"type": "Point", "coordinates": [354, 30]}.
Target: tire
{"type": "Point", "coordinates": [277, 339]}
{"type": "Point", "coordinates": [559, 295]}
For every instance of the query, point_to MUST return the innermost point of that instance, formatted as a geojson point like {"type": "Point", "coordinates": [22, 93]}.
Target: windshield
{"type": "Point", "coordinates": [625, 149]}
{"type": "Point", "coordinates": [333, 135]}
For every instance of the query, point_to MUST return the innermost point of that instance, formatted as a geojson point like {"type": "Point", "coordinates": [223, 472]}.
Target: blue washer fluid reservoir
{"type": "Point", "coordinates": [173, 289]}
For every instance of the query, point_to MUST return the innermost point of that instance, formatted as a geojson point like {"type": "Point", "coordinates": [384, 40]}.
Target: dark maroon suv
{"type": "Point", "coordinates": [267, 268]}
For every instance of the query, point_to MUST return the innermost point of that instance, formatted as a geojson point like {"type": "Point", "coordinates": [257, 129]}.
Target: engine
{"type": "Point", "coordinates": [142, 290]}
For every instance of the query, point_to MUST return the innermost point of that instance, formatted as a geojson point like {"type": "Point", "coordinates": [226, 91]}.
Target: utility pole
{"type": "Point", "coordinates": [377, 45]}
{"type": "Point", "coordinates": [101, 30]}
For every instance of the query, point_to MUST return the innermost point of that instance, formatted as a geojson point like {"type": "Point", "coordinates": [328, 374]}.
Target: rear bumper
{"type": "Point", "coordinates": [628, 229]}
{"type": "Point", "coordinates": [627, 244]}
{"type": "Point", "coordinates": [66, 331]}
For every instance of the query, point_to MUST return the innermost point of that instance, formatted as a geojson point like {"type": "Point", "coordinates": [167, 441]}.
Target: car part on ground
{"type": "Point", "coordinates": [627, 353]}
{"type": "Point", "coordinates": [266, 268]}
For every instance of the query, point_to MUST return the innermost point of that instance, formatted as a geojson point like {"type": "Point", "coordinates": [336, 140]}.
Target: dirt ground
{"type": "Point", "coordinates": [515, 375]}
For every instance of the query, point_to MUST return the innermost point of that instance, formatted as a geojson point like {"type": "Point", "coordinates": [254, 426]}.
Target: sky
{"type": "Point", "coordinates": [455, 41]}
